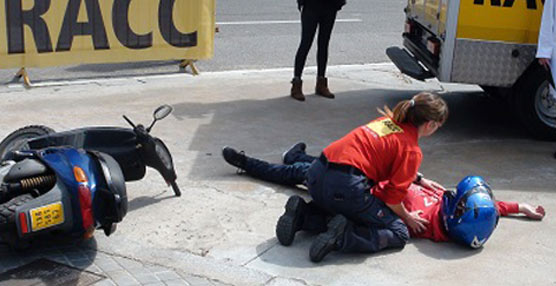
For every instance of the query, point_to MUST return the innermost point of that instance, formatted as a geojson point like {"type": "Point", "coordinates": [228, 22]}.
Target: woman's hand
{"type": "Point", "coordinates": [430, 184]}
{"type": "Point", "coordinates": [532, 212]}
{"type": "Point", "coordinates": [415, 222]}
{"type": "Point", "coordinates": [545, 63]}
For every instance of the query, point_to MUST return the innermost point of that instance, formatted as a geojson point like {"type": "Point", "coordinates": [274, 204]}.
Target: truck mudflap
{"type": "Point", "coordinates": [407, 63]}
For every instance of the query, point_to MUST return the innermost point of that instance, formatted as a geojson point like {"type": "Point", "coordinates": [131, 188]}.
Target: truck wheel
{"type": "Point", "coordinates": [497, 92]}
{"type": "Point", "coordinates": [534, 104]}
{"type": "Point", "coordinates": [17, 140]}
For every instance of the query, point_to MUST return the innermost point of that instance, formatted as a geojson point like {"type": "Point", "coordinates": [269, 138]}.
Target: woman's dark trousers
{"type": "Point", "coordinates": [315, 14]}
{"type": "Point", "coordinates": [372, 225]}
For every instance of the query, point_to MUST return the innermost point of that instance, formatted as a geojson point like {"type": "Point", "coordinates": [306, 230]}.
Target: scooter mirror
{"type": "Point", "coordinates": [162, 111]}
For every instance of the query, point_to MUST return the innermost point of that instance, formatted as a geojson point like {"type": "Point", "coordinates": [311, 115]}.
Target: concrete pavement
{"type": "Point", "coordinates": [221, 230]}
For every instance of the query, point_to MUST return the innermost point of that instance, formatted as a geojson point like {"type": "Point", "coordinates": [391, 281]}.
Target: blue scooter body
{"type": "Point", "coordinates": [59, 209]}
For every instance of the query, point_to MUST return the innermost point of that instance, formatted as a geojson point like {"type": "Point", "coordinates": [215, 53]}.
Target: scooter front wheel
{"type": "Point", "coordinates": [18, 139]}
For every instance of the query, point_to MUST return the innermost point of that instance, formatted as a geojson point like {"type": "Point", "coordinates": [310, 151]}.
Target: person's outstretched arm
{"type": "Point", "coordinates": [507, 208]}
{"type": "Point", "coordinates": [536, 213]}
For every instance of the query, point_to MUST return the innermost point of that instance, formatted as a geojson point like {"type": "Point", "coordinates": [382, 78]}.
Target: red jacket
{"type": "Point", "coordinates": [384, 151]}
{"type": "Point", "coordinates": [430, 202]}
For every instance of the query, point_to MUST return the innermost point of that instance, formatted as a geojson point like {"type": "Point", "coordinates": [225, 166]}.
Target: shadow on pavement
{"type": "Point", "coordinates": [95, 71]}
{"type": "Point", "coordinates": [444, 250]}
{"type": "Point", "coordinates": [143, 201]}
{"type": "Point", "coordinates": [297, 255]}
{"type": "Point", "coordinates": [265, 128]}
{"type": "Point", "coordinates": [45, 261]}
{"type": "Point", "coordinates": [131, 66]}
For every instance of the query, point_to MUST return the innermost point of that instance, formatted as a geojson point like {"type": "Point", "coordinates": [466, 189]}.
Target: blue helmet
{"type": "Point", "coordinates": [470, 214]}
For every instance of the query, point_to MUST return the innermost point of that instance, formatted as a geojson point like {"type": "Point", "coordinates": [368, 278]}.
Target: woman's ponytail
{"type": "Point", "coordinates": [422, 107]}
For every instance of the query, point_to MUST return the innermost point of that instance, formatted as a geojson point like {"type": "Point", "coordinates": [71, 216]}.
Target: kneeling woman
{"type": "Point", "coordinates": [368, 217]}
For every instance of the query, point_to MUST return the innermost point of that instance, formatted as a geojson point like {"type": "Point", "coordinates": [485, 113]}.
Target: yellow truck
{"type": "Point", "coordinates": [491, 43]}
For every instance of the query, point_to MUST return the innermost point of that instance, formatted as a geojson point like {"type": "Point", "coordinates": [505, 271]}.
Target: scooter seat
{"type": "Point", "coordinates": [25, 169]}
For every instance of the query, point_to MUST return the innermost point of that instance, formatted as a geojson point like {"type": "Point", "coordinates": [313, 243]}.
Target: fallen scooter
{"type": "Point", "coordinates": [60, 191]}
{"type": "Point", "coordinates": [133, 149]}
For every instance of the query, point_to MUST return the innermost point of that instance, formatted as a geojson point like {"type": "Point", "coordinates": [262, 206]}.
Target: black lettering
{"type": "Point", "coordinates": [492, 2]}
{"type": "Point", "coordinates": [531, 4]}
{"type": "Point", "coordinates": [169, 31]}
{"type": "Point", "coordinates": [16, 17]}
{"type": "Point", "coordinates": [125, 35]}
{"type": "Point", "coordinates": [94, 26]}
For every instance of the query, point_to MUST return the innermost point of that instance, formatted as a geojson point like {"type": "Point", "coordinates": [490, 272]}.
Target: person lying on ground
{"type": "Point", "coordinates": [385, 149]}
{"type": "Point", "coordinates": [423, 200]}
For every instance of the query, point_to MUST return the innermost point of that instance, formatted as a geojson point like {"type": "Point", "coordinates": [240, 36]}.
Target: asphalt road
{"type": "Point", "coordinates": [260, 34]}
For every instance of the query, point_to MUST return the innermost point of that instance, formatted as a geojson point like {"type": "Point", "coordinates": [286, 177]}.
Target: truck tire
{"type": "Point", "coordinates": [17, 140]}
{"type": "Point", "coordinates": [497, 92]}
{"type": "Point", "coordinates": [533, 103]}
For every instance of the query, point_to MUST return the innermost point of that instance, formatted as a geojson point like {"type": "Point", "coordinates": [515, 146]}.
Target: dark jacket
{"type": "Point", "coordinates": [337, 4]}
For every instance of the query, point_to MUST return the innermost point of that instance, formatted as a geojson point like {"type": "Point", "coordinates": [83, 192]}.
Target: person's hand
{"type": "Point", "coordinates": [545, 63]}
{"type": "Point", "coordinates": [532, 212]}
{"type": "Point", "coordinates": [299, 7]}
{"type": "Point", "coordinates": [415, 222]}
{"type": "Point", "coordinates": [430, 184]}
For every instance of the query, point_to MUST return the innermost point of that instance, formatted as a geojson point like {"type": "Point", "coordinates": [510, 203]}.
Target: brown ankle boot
{"type": "Point", "coordinates": [322, 88]}
{"type": "Point", "coordinates": [297, 90]}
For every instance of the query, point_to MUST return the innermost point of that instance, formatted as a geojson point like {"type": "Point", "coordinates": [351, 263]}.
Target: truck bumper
{"type": "Point", "coordinates": [407, 63]}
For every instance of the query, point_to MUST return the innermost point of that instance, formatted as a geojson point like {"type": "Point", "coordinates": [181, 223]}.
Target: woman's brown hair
{"type": "Point", "coordinates": [423, 107]}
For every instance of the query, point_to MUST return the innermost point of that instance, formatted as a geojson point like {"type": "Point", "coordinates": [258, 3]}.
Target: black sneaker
{"type": "Point", "coordinates": [291, 221]}
{"type": "Point", "coordinates": [234, 158]}
{"type": "Point", "coordinates": [288, 157]}
{"type": "Point", "coordinates": [330, 240]}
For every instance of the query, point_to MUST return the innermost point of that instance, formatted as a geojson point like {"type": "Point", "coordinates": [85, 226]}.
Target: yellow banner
{"type": "Point", "coordinates": [38, 33]}
{"type": "Point", "coordinates": [516, 21]}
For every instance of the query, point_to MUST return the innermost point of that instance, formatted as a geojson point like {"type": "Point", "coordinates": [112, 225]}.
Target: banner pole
{"type": "Point", "coordinates": [191, 63]}
{"type": "Point", "coordinates": [23, 73]}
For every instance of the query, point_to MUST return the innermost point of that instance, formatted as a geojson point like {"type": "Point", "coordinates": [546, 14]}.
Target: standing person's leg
{"type": "Point", "coordinates": [309, 21]}
{"type": "Point", "coordinates": [326, 24]}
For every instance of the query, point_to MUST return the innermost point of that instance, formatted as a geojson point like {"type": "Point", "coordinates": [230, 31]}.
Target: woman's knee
{"type": "Point", "coordinates": [400, 232]}
{"type": "Point", "coordinates": [395, 236]}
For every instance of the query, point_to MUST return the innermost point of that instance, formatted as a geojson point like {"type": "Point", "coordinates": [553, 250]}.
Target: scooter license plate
{"type": "Point", "coordinates": [47, 216]}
